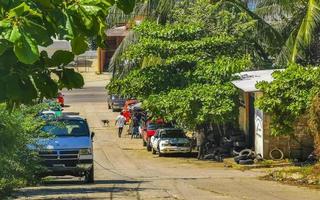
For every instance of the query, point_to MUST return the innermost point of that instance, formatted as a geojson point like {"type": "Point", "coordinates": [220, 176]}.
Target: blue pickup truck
{"type": "Point", "coordinates": [69, 151]}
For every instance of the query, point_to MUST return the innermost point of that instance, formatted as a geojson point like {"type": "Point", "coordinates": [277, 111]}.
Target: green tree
{"type": "Point", "coordinates": [291, 98]}
{"type": "Point", "coordinates": [18, 163]}
{"type": "Point", "coordinates": [25, 72]}
{"type": "Point", "coordinates": [189, 79]}
{"type": "Point", "coordinates": [298, 23]}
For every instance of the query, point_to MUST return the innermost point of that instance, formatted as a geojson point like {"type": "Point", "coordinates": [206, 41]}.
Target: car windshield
{"type": "Point", "coordinates": [173, 134]}
{"type": "Point", "coordinates": [152, 127]}
{"type": "Point", "coordinates": [68, 128]}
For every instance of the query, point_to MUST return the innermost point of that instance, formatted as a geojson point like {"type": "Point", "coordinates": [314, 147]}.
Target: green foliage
{"type": "Point", "coordinates": [25, 25]}
{"type": "Point", "coordinates": [289, 96]}
{"type": "Point", "coordinates": [171, 32]}
{"type": "Point", "coordinates": [17, 162]}
{"type": "Point", "coordinates": [190, 82]}
{"type": "Point", "coordinates": [195, 105]}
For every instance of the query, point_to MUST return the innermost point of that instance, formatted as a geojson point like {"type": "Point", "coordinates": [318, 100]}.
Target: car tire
{"type": "Point", "coordinates": [159, 153]}
{"type": "Point", "coordinates": [246, 152]}
{"type": "Point", "coordinates": [246, 162]}
{"type": "Point", "coordinates": [149, 147]}
{"type": "Point", "coordinates": [238, 158]}
{"type": "Point", "coordinates": [154, 151]}
{"type": "Point", "coordinates": [109, 107]}
{"type": "Point", "coordinates": [89, 176]}
{"type": "Point", "coordinates": [144, 143]}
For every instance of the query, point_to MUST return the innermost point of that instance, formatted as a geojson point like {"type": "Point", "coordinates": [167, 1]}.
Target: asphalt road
{"type": "Point", "coordinates": [125, 170]}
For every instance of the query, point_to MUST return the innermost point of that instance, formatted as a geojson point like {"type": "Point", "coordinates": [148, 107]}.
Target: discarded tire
{"type": "Point", "coordinates": [246, 162]}
{"type": "Point", "coordinates": [235, 152]}
{"type": "Point", "coordinates": [238, 158]}
{"type": "Point", "coordinates": [276, 154]}
{"type": "Point", "coordinates": [247, 152]}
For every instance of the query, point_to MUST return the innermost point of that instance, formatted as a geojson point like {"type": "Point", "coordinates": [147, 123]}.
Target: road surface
{"type": "Point", "coordinates": [125, 170]}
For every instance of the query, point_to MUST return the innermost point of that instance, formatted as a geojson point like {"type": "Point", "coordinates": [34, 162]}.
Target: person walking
{"type": "Point", "coordinates": [135, 126]}
{"type": "Point", "coordinates": [120, 122]}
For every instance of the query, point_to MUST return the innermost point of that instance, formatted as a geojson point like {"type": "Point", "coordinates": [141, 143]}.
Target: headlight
{"type": "Point", "coordinates": [165, 143]}
{"type": "Point", "coordinates": [85, 151]}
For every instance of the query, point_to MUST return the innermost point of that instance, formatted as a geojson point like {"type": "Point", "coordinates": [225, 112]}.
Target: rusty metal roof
{"type": "Point", "coordinates": [249, 79]}
{"type": "Point", "coordinates": [117, 31]}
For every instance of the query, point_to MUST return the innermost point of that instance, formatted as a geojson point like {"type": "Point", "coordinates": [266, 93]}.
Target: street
{"type": "Point", "coordinates": [125, 170]}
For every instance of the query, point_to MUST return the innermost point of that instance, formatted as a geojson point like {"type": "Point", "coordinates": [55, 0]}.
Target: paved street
{"type": "Point", "coordinates": [125, 170]}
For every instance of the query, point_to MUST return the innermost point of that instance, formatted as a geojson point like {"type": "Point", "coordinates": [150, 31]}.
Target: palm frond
{"type": "Point", "coordinates": [116, 64]}
{"type": "Point", "coordinates": [266, 32]}
{"type": "Point", "coordinates": [306, 30]}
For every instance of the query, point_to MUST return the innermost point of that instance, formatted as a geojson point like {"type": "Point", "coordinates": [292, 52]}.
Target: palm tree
{"type": "Point", "coordinates": [158, 10]}
{"type": "Point", "coordinates": [297, 21]}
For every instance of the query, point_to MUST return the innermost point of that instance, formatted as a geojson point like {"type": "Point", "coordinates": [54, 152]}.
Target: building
{"type": "Point", "coordinates": [256, 124]}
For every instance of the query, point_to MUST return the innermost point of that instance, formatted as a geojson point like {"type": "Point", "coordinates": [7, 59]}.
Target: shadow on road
{"type": "Point", "coordinates": [97, 182]}
{"type": "Point", "coordinates": [51, 189]}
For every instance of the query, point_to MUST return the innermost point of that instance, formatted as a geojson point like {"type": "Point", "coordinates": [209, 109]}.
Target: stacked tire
{"type": "Point", "coordinates": [245, 157]}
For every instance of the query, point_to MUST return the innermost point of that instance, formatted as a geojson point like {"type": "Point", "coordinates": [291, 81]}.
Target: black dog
{"type": "Point", "coordinates": [105, 121]}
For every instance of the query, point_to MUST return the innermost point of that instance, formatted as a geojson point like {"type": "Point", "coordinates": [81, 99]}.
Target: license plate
{"type": "Point", "coordinates": [58, 165]}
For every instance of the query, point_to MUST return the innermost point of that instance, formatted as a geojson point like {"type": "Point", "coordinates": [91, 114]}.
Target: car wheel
{"type": "Point", "coordinates": [144, 143]}
{"type": "Point", "coordinates": [154, 151]}
{"type": "Point", "coordinates": [89, 177]}
{"type": "Point", "coordinates": [109, 107]}
{"type": "Point", "coordinates": [149, 147]}
{"type": "Point", "coordinates": [159, 153]}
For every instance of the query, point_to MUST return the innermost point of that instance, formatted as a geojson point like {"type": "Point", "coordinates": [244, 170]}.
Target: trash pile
{"type": "Point", "coordinates": [247, 157]}
{"type": "Point", "coordinates": [228, 146]}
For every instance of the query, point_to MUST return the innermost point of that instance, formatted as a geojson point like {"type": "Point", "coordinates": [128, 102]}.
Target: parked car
{"type": "Point", "coordinates": [115, 102]}
{"type": "Point", "coordinates": [126, 109]}
{"type": "Point", "coordinates": [69, 151]}
{"type": "Point", "coordinates": [147, 132]}
{"type": "Point", "coordinates": [60, 99]}
{"type": "Point", "coordinates": [170, 140]}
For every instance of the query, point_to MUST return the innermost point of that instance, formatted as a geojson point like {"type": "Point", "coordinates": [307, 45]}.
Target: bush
{"type": "Point", "coordinates": [18, 130]}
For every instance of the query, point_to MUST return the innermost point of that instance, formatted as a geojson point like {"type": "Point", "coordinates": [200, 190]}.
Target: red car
{"type": "Point", "coordinates": [149, 130]}
{"type": "Point", "coordinates": [60, 99]}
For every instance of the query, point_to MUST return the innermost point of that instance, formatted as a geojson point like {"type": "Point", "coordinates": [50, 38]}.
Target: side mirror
{"type": "Point", "coordinates": [92, 135]}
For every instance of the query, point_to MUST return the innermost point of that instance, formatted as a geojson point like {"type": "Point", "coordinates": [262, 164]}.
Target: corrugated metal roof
{"type": "Point", "coordinates": [249, 79]}
{"type": "Point", "coordinates": [117, 31]}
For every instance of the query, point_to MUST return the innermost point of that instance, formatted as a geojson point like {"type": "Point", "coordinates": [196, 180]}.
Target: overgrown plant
{"type": "Point", "coordinates": [25, 25]}
{"type": "Point", "coordinates": [18, 163]}
{"type": "Point", "coordinates": [289, 97]}
{"type": "Point", "coordinates": [190, 80]}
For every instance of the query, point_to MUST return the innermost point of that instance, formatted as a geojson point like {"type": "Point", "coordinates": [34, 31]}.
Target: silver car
{"type": "Point", "coordinates": [170, 140]}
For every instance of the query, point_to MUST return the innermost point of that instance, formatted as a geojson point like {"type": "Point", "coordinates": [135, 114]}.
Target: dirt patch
{"type": "Point", "coordinates": [304, 176]}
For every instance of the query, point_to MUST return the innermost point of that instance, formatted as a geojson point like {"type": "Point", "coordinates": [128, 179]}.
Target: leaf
{"type": "Point", "coordinates": [15, 34]}
{"type": "Point", "coordinates": [3, 46]}
{"type": "Point", "coordinates": [45, 3]}
{"type": "Point", "coordinates": [47, 87]}
{"type": "Point", "coordinates": [70, 79]}
{"type": "Point", "coordinates": [22, 9]}
{"type": "Point", "coordinates": [61, 57]}
{"type": "Point", "coordinates": [38, 32]}
{"type": "Point", "coordinates": [26, 50]}
{"type": "Point", "coordinates": [79, 45]}
{"type": "Point", "coordinates": [126, 5]}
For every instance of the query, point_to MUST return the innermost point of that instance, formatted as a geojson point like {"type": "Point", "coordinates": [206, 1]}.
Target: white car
{"type": "Point", "coordinates": [170, 140]}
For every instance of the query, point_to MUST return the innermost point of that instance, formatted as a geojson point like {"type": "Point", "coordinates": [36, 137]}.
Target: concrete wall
{"type": "Point", "coordinates": [299, 146]}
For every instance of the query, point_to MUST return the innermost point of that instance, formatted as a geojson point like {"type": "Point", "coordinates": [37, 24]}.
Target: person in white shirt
{"type": "Point", "coordinates": [120, 122]}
